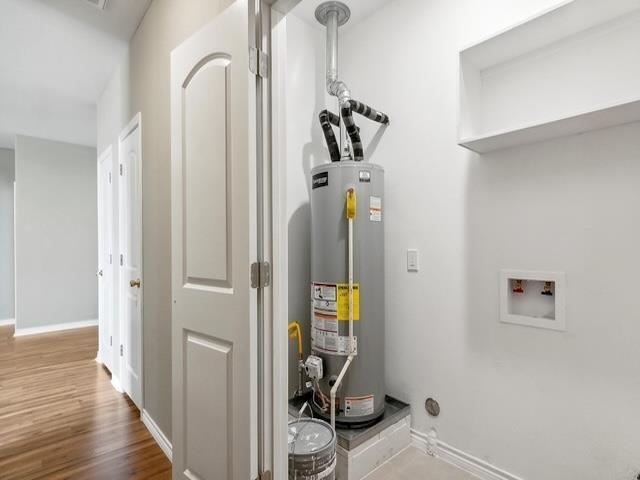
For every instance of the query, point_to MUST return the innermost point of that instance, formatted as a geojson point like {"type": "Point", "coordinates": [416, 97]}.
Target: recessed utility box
{"type": "Point", "coordinates": [534, 299]}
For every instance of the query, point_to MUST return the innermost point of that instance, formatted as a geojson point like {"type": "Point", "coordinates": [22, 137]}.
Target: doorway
{"type": "Point", "coordinates": [130, 259]}
{"type": "Point", "coordinates": [106, 299]}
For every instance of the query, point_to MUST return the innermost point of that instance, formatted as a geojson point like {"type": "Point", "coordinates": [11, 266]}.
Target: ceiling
{"type": "Point", "coordinates": [56, 57]}
{"type": "Point", "coordinates": [360, 10]}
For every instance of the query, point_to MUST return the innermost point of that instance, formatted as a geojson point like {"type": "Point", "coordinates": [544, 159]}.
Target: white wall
{"type": "Point", "coordinates": [304, 150]}
{"type": "Point", "coordinates": [537, 403]}
{"type": "Point", "coordinates": [113, 116]}
{"type": "Point", "coordinates": [56, 233]}
{"type": "Point", "coordinates": [7, 297]}
{"type": "Point", "coordinates": [113, 108]}
{"type": "Point", "coordinates": [142, 85]}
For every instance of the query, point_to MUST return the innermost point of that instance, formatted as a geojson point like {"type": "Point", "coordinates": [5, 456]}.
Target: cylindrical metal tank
{"type": "Point", "coordinates": [360, 398]}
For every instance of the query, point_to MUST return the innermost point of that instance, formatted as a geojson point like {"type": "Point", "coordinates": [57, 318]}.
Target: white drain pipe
{"type": "Point", "coordinates": [351, 214]}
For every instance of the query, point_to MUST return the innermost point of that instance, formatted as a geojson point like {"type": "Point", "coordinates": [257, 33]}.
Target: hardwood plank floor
{"type": "Point", "coordinates": [60, 418]}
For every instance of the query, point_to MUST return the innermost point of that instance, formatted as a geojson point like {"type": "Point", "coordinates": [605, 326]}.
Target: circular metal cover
{"type": "Point", "coordinates": [309, 436]}
{"type": "Point", "coordinates": [324, 8]}
{"type": "Point", "coordinates": [432, 407]}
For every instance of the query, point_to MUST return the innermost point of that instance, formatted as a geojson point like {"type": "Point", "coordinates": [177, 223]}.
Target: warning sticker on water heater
{"type": "Point", "coordinates": [375, 209]}
{"type": "Point", "coordinates": [358, 406]}
{"type": "Point", "coordinates": [332, 343]}
{"type": "Point", "coordinates": [332, 300]}
{"type": "Point", "coordinates": [324, 291]}
{"type": "Point", "coordinates": [327, 323]}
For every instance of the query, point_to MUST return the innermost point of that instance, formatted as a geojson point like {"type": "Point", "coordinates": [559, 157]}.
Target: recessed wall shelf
{"type": "Point", "coordinates": [572, 69]}
{"type": "Point", "coordinates": [534, 299]}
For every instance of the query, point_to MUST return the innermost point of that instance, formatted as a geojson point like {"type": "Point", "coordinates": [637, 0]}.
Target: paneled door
{"type": "Point", "coordinates": [213, 219]}
{"type": "Point", "coordinates": [130, 259]}
{"type": "Point", "coordinates": [105, 259]}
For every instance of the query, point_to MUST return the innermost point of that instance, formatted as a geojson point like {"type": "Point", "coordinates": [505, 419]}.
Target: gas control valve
{"type": "Point", "coordinates": [313, 367]}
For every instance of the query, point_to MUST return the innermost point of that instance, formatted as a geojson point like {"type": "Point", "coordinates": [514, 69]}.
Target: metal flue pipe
{"type": "Point", "coordinates": [332, 15]}
{"type": "Point", "coordinates": [332, 48]}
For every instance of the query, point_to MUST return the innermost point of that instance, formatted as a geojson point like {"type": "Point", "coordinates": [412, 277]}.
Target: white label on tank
{"type": "Point", "coordinates": [325, 306]}
{"type": "Point", "coordinates": [343, 345]}
{"type": "Point", "coordinates": [324, 291]}
{"type": "Point", "coordinates": [375, 209]}
{"type": "Point", "coordinates": [331, 343]}
{"type": "Point", "coordinates": [327, 313]}
{"type": "Point", "coordinates": [358, 406]}
{"type": "Point", "coordinates": [325, 322]}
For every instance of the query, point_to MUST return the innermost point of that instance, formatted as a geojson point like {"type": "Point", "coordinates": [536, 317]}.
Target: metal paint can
{"type": "Point", "coordinates": [312, 450]}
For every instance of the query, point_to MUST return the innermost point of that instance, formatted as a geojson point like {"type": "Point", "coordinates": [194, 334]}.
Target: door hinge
{"type": "Point", "coordinates": [111, 341]}
{"type": "Point", "coordinates": [121, 350]}
{"type": "Point", "coordinates": [121, 260]}
{"type": "Point", "coordinates": [110, 259]}
{"type": "Point", "coordinates": [109, 177]}
{"type": "Point", "coordinates": [260, 274]}
{"type": "Point", "coordinates": [258, 62]}
{"type": "Point", "coordinates": [265, 475]}
{"type": "Point", "coordinates": [120, 169]}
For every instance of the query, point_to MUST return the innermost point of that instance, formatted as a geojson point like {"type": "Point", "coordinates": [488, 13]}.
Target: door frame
{"type": "Point", "coordinates": [135, 122]}
{"type": "Point", "coordinates": [277, 160]}
{"type": "Point", "coordinates": [107, 358]}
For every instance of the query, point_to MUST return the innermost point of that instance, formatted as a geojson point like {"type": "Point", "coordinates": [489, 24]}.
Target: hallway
{"type": "Point", "coordinates": [61, 418]}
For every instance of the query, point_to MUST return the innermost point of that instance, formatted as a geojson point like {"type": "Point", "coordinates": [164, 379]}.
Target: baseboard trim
{"type": "Point", "coordinates": [430, 444]}
{"type": "Point", "coordinates": [7, 321]}
{"type": "Point", "coordinates": [21, 332]}
{"type": "Point", "coordinates": [160, 438]}
{"type": "Point", "coordinates": [115, 383]}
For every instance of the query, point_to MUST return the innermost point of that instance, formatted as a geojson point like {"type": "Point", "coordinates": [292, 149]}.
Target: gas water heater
{"type": "Point", "coordinates": [360, 396]}
{"type": "Point", "coordinates": [346, 368]}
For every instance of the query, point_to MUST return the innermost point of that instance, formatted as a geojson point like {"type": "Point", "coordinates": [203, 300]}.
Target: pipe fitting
{"type": "Point", "coordinates": [339, 89]}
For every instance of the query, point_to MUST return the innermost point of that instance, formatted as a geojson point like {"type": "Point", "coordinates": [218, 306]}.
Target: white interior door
{"type": "Point", "coordinates": [130, 259]}
{"type": "Point", "coordinates": [105, 258]}
{"type": "Point", "coordinates": [213, 153]}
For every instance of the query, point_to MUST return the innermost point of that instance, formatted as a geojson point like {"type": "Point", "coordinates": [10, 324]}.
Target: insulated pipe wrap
{"type": "Point", "coordinates": [370, 113]}
{"type": "Point", "coordinates": [333, 118]}
{"type": "Point", "coordinates": [354, 134]}
{"type": "Point", "coordinates": [326, 119]}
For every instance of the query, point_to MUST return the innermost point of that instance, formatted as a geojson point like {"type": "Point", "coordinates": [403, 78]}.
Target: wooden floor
{"type": "Point", "coordinates": [60, 418]}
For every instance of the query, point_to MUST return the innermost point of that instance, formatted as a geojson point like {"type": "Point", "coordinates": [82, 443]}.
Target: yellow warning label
{"type": "Point", "coordinates": [343, 301]}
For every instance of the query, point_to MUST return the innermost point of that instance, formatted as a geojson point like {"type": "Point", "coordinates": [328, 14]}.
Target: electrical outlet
{"type": "Point", "coordinates": [412, 260]}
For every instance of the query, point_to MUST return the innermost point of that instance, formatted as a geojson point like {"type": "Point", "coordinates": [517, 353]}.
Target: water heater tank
{"type": "Point", "coordinates": [360, 398]}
